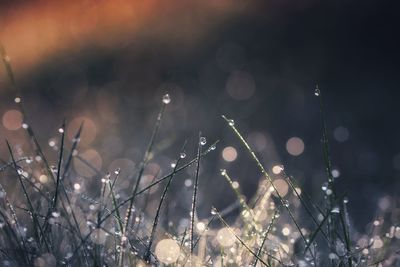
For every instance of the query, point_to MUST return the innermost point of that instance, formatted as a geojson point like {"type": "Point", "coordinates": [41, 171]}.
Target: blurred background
{"type": "Point", "coordinates": [108, 63]}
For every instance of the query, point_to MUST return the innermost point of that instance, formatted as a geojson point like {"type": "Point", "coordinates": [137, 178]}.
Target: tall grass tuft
{"type": "Point", "coordinates": [58, 224]}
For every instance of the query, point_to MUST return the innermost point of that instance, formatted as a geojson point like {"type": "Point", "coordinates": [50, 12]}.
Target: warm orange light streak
{"type": "Point", "coordinates": [33, 32]}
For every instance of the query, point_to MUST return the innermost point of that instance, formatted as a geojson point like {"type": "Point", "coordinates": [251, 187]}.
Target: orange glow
{"type": "Point", "coordinates": [12, 120]}
{"type": "Point", "coordinates": [34, 31]}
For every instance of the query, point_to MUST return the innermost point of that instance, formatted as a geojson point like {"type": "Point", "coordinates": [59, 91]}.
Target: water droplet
{"type": "Point", "coordinates": [25, 126]}
{"type": "Point", "coordinates": [324, 186]}
{"type": "Point", "coordinates": [173, 164]}
{"type": "Point", "coordinates": [345, 200]}
{"type": "Point", "coordinates": [214, 211]}
{"type": "Point", "coordinates": [235, 185]}
{"type": "Point", "coordinates": [61, 130]}
{"type": "Point", "coordinates": [166, 99]}
{"type": "Point", "coordinates": [335, 210]}
{"type": "Point", "coordinates": [77, 186]}
{"type": "Point", "coordinates": [117, 171]}
{"type": "Point", "coordinates": [285, 203]}
{"type": "Point", "coordinates": [231, 122]}
{"type": "Point", "coordinates": [55, 214]}
{"type": "Point", "coordinates": [317, 92]}
{"type": "Point", "coordinates": [182, 155]}
{"type": "Point", "coordinates": [213, 147]}
{"type": "Point", "coordinates": [223, 172]}
{"type": "Point", "coordinates": [203, 140]}
{"type": "Point", "coordinates": [17, 100]}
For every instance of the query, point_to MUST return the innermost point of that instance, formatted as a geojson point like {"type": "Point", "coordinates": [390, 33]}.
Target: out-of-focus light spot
{"type": "Point", "coordinates": [106, 104]}
{"type": "Point", "coordinates": [281, 186]}
{"type": "Point", "coordinates": [45, 260]}
{"type": "Point", "coordinates": [335, 173]}
{"type": "Point", "coordinates": [257, 140]}
{"type": "Point", "coordinates": [43, 179]}
{"type": "Point", "coordinates": [240, 85]}
{"type": "Point", "coordinates": [188, 182]}
{"type": "Point", "coordinates": [89, 163]}
{"type": "Point", "coordinates": [341, 134]}
{"type": "Point", "coordinates": [167, 251]}
{"type": "Point", "coordinates": [201, 226]}
{"type": "Point", "coordinates": [378, 243]}
{"type": "Point", "coordinates": [88, 133]}
{"type": "Point", "coordinates": [277, 169]}
{"type": "Point", "coordinates": [384, 203]}
{"type": "Point", "coordinates": [98, 236]}
{"type": "Point", "coordinates": [225, 237]}
{"type": "Point", "coordinates": [52, 143]}
{"type": "Point", "coordinates": [77, 186]}
{"type": "Point", "coordinates": [12, 120]}
{"type": "Point", "coordinates": [285, 231]}
{"type": "Point", "coordinates": [295, 146]}
{"type": "Point", "coordinates": [229, 154]}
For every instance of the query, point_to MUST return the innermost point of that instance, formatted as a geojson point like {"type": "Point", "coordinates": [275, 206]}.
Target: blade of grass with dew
{"type": "Point", "coordinates": [12, 236]}
{"type": "Point", "coordinates": [328, 165]}
{"type": "Point", "coordinates": [75, 142]}
{"type": "Point", "coordinates": [122, 203]}
{"type": "Point", "coordinates": [194, 198]}
{"type": "Point", "coordinates": [308, 210]}
{"type": "Point", "coordinates": [163, 196]}
{"type": "Point", "coordinates": [56, 190]}
{"type": "Point", "coordinates": [231, 123]}
{"type": "Point", "coordinates": [247, 213]}
{"type": "Point", "coordinates": [265, 237]}
{"type": "Point", "coordinates": [239, 239]}
{"type": "Point", "coordinates": [38, 231]}
{"type": "Point", "coordinates": [143, 165]}
{"type": "Point", "coordinates": [316, 231]}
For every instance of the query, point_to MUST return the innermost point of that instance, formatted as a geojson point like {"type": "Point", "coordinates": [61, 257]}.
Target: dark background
{"type": "Point", "coordinates": [350, 48]}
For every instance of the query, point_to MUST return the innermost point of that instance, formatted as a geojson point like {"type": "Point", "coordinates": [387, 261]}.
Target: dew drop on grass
{"type": "Point", "coordinates": [345, 200]}
{"type": "Point", "coordinates": [285, 203]}
{"type": "Point", "coordinates": [223, 172]}
{"type": "Point", "coordinates": [182, 155]}
{"type": "Point", "coordinates": [335, 210]}
{"type": "Point", "coordinates": [203, 140]}
{"type": "Point", "coordinates": [17, 100]}
{"type": "Point", "coordinates": [213, 211]}
{"type": "Point", "coordinates": [61, 130]}
{"type": "Point", "coordinates": [317, 92]}
{"type": "Point", "coordinates": [166, 99]}
{"type": "Point", "coordinates": [173, 165]}
{"type": "Point", "coordinates": [55, 214]}
{"type": "Point", "coordinates": [231, 122]}
{"type": "Point", "coordinates": [324, 186]}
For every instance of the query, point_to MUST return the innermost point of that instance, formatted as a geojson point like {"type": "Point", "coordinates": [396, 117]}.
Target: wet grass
{"type": "Point", "coordinates": [58, 225]}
